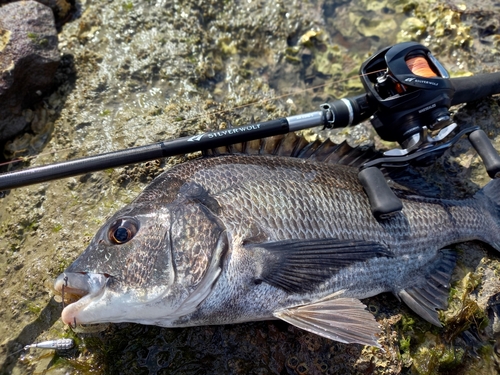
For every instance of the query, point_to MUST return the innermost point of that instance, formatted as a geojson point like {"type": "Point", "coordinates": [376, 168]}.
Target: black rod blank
{"type": "Point", "coordinates": [139, 154]}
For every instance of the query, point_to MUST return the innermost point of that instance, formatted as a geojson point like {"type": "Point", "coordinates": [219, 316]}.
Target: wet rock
{"type": "Point", "coordinates": [28, 61]}
{"type": "Point", "coordinates": [62, 9]}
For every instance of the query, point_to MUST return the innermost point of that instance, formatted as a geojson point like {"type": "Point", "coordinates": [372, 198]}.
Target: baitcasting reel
{"type": "Point", "coordinates": [409, 94]}
{"type": "Point", "coordinates": [411, 91]}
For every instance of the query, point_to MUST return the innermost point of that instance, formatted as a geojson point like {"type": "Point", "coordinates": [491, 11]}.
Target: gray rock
{"type": "Point", "coordinates": [62, 8]}
{"type": "Point", "coordinates": [29, 58]}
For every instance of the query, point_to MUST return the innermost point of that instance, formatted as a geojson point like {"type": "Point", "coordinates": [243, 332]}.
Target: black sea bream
{"type": "Point", "coordinates": [240, 237]}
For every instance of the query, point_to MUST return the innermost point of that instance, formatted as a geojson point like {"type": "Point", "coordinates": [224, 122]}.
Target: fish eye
{"type": "Point", "coordinates": [122, 230]}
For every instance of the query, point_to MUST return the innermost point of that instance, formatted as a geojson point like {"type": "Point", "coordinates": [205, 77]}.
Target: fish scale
{"type": "Point", "coordinates": [236, 238]}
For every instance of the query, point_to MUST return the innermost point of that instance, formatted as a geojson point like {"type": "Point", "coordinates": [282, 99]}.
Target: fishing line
{"type": "Point", "coordinates": [213, 113]}
{"type": "Point", "coordinates": [62, 291]}
{"type": "Point", "coordinates": [26, 158]}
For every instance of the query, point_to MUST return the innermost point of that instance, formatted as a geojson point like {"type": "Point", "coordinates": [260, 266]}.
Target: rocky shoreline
{"type": "Point", "coordinates": [134, 73]}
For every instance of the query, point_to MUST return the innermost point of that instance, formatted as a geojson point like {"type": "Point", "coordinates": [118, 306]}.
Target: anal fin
{"type": "Point", "coordinates": [344, 320]}
{"type": "Point", "coordinates": [432, 293]}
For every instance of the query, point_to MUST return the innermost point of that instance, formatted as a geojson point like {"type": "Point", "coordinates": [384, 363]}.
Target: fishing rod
{"type": "Point", "coordinates": [408, 96]}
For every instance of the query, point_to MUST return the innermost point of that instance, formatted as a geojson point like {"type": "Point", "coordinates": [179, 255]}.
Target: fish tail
{"type": "Point", "coordinates": [491, 192]}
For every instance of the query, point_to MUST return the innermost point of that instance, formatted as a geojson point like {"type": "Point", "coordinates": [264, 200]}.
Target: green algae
{"type": "Point", "coordinates": [463, 310]}
{"type": "Point", "coordinates": [432, 357]}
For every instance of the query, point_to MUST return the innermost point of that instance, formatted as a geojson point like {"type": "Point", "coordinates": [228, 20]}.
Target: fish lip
{"type": "Point", "coordinates": [84, 285]}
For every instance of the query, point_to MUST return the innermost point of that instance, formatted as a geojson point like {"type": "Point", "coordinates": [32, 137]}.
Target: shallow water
{"type": "Point", "coordinates": [139, 72]}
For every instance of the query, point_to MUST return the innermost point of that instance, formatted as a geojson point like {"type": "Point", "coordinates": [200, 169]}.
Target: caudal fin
{"type": "Point", "coordinates": [492, 193]}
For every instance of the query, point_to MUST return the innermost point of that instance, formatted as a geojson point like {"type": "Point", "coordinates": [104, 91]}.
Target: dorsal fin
{"type": "Point", "coordinates": [293, 145]}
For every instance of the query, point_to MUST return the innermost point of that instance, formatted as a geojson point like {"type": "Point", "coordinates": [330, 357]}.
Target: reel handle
{"type": "Point", "coordinates": [486, 151]}
{"type": "Point", "coordinates": [383, 201]}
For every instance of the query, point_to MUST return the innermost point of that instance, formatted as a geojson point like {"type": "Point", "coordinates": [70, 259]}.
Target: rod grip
{"type": "Point", "coordinates": [476, 87]}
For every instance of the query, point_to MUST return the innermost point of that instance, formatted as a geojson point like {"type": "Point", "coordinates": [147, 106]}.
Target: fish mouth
{"type": "Point", "coordinates": [78, 290]}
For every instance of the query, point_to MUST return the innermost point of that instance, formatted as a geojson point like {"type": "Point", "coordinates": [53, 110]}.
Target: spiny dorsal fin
{"type": "Point", "coordinates": [293, 145]}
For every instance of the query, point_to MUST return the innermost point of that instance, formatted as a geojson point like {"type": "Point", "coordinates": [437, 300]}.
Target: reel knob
{"type": "Point", "coordinates": [383, 201]}
{"type": "Point", "coordinates": [486, 151]}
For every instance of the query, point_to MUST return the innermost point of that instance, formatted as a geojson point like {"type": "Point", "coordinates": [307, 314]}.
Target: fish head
{"type": "Point", "coordinates": [150, 263]}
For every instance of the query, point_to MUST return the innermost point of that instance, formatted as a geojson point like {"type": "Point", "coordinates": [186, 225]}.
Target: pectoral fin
{"type": "Point", "coordinates": [341, 319]}
{"type": "Point", "coordinates": [298, 265]}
